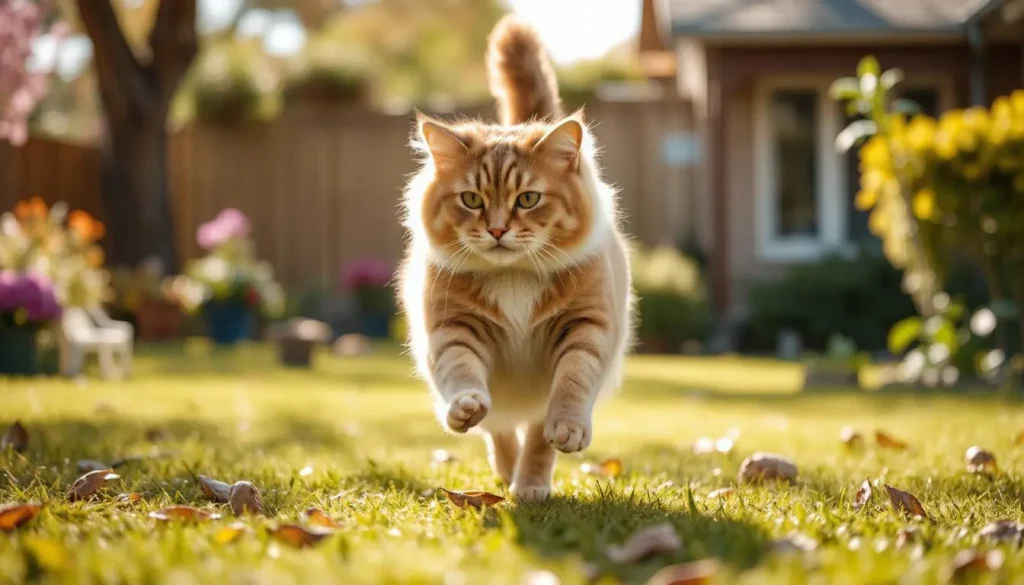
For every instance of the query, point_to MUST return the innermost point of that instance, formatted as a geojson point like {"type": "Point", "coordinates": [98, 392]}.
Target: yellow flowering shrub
{"type": "Point", "coordinates": [938, 190]}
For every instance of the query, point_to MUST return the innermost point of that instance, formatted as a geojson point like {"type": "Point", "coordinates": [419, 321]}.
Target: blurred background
{"type": "Point", "coordinates": [219, 142]}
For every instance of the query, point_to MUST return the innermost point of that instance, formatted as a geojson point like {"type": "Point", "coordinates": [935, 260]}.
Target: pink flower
{"type": "Point", "coordinates": [229, 224]}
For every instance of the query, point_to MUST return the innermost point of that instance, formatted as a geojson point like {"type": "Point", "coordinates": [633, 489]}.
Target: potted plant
{"type": "Point", "coordinates": [144, 295]}
{"type": "Point", "coordinates": [28, 303]}
{"type": "Point", "coordinates": [228, 286]}
{"type": "Point", "coordinates": [369, 281]}
{"type": "Point", "coordinates": [51, 260]}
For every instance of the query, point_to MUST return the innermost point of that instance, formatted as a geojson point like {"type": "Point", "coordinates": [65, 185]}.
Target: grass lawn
{"type": "Point", "coordinates": [355, 438]}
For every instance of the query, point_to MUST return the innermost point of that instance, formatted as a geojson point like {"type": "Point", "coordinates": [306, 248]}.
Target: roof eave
{"type": "Point", "coordinates": [827, 36]}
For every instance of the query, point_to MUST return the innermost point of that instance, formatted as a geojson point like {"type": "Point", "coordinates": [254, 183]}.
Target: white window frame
{"type": "Point", "coordinates": [831, 195]}
{"type": "Point", "coordinates": [831, 213]}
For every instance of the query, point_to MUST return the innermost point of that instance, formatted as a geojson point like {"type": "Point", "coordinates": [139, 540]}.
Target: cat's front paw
{"type": "Point", "coordinates": [567, 434]}
{"type": "Point", "coordinates": [467, 409]}
{"type": "Point", "coordinates": [530, 493]}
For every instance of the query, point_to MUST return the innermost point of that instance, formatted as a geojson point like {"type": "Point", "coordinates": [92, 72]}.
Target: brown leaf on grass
{"type": "Point", "coordinates": [86, 486]}
{"type": "Point", "coordinates": [695, 573]}
{"type": "Point", "coordinates": [761, 467]}
{"type": "Point", "coordinates": [660, 538]}
{"type": "Point", "coordinates": [156, 435]}
{"type": "Point", "coordinates": [721, 493]}
{"type": "Point", "coordinates": [317, 517]}
{"type": "Point", "coordinates": [475, 499]}
{"type": "Point", "coordinates": [850, 437]}
{"type": "Point", "coordinates": [607, 468]}
{"type": "Point", "coordinates": [16, 438]}
{"type": "Point", "coordinates": [14, 515]}
{"type": "Point", "coordinates": [214, 490]}
{"type": "Point", "coordinates": [184, 513]}
{"type": "Point", "coordinates": [244, 497]}
{"type": "Point", "coordinates": [970, 563]}
{"type": "Point", "coordinates": [980, 461]}
{"type": "Point", "coordinates": [87, 465]}
{"type": "Point", "coordinates": [229, 534]}
{"type": "Point", "coordinates": [299, 536]}
{"type": "Point", "coordinates": [128, 498]}
{"type": "Point", "coordinates": [887, 441]}
{"type": "Point", "coordinates": [907, 535]}
{"type": "Point", "coordinates": [905, 502]}
{"type": "Point", "coordinates": [862, 496]}
{"type": "Point", "coordinates": [1003, 531]}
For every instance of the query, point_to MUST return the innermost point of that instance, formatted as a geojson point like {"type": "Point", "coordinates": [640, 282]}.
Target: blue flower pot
{"type": "Point", "coordinates": [227, 323]}
{"type": "Point", "coordinates": [19, 354]}
{"type": "Point", "coordinates": [375, 325]}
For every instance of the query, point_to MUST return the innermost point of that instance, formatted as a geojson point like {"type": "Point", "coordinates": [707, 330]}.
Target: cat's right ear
{"type": "Point", "coordinates": [446, 148]}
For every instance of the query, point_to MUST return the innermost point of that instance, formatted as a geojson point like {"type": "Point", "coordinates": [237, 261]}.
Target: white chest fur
{"type": "Point", "coordinates": [516, 296]}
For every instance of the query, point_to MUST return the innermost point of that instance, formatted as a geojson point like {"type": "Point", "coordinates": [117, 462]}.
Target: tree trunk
{"type": "Point", "coordinates": [136, 97]}
{"type": "Point", "coordinates": [135, 193]}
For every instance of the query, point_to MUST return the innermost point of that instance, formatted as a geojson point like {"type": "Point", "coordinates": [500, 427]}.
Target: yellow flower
{"type": "Point", "coordinates": [866, 199]}
{"type": "Point", "coordinates": [875, 154]}
{"type": "Point", "coordinates": [945, 145]}
{"type": "Point", "coordinates": [878, 222]}
{"type": "Point", "coordinates": [924, 204]}
{"type": "Point", "coordinates": [921, 133]}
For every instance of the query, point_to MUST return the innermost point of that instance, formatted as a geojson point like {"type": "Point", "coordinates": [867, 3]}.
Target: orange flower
{"type": "Point", "coordinates": [85, 226]}
{"type": "Point", "coordinates": [94, 256]}
{"type": "Point", "coordinates": [32, 209]}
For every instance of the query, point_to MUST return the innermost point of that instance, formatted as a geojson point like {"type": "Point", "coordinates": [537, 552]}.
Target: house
{"type": "Point", "coordinates": [772, 189]}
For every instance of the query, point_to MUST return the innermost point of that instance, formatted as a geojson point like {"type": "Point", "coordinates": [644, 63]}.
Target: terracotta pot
{"type": "Point", "coordinates": [158, 320]}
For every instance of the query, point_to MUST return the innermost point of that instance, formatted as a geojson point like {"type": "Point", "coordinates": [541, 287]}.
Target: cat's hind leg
{"type": "Point", "coordinates": [502, 453]}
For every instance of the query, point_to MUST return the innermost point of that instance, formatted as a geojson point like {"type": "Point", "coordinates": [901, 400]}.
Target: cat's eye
{"type": "Point", "coordinates": [472, 200]}
{"type": "Point", "coordinates": [528, 199]}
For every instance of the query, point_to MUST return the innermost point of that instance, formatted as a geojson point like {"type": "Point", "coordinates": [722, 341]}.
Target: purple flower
{"type": "Point", "coordinates": [32, 292]}
{"type": "Point", "coordinates": [366, 273]}
{"type": "Point", "coordinates": [229, 224]}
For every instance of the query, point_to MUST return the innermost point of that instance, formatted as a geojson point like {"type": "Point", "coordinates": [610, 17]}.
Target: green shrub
{"type": "Point", "coordinates": [672, 303]}
{"type": "Point", "coordinates": [859, 298]}
{"type": "Point", "coordinates": [327, 72]}
{"type": "Point", "coordinates": [234, 83]}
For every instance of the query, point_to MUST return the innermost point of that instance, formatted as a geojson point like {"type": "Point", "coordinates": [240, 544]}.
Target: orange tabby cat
{"type": "Point", "coordinates": [516, 282]}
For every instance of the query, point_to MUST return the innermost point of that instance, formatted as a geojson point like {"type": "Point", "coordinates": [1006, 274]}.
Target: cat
{"type": "Point", "coordinates": [516, 284]}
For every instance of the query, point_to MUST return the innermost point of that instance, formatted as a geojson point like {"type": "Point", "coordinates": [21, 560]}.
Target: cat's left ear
{"type": "Point", "coordinates": [564, 140]}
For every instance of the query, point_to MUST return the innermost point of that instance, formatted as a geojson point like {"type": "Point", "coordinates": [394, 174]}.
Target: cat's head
{"type": "Point", "coordinates": [494, 196]}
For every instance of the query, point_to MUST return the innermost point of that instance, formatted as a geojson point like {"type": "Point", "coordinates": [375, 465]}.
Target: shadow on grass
{"type": "Point", "coordinates": [586, 527]}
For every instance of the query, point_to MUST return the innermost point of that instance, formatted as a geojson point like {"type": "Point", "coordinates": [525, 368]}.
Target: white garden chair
{"type": "Point", "coordinates": [93, 331]}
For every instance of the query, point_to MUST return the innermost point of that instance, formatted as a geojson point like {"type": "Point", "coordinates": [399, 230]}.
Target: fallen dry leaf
{"type": "Point", "coordinates": [862, 496]}
{"type": "Point", "coordinates": [980, 461]}
{"type": "Point", "coordinates": [475, 499]}
{"type": "Point", "coordinates": [972, 562]}
{"type": "Point", "coordinates": [299, 536]}
{"type": "Point", "coordinates": [607, 468]}
{"type": "Point", "coordinates": [650, 541]}
{"type": "Point", "coordinates": [16, 438]}
{"type": "Point", "coordinates": [695, 573]}
{"type": "Point", "coordinates": [14, 515]}
{"type": "Point", "coordinates": [156, 435]}
{"type": "Point", "coordinates": [244, 497]}
{"type": "Point", "coordinates": [186, 513]}
{"type": "Point", "coordinates": [1019, 439]}
{"type": "Point", "coordinates": [850, 437]}
{"type": "Point", "coordinates": [214, 490]}
{"type": "Point", "coordinates": [1003, 531]}
{"type": "Point", "coordinates": [229, 534]}
{"type": "Point", "coordinates": [316, 517]}
{"type": "Point", "coordinates": [128, 498]}
{"type": "Point", "coordinates": [889, 442]}
{"type": "Point", "coordinates": [87, 465]}
{"type": "Point", "coordinates": [90, 483]}
{"type": "Point", "coordinates": [905, 502]}
{"type": "Point", "coordinates": [766, 467]}
{"type": "Point", "coordinates": [907, 535]}
{"type": "Point", "coordinates": [721, 493]}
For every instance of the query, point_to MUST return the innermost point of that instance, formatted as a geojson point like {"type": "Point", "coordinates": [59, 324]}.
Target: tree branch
{"type": "Point", "coordinates": [174, 45]}
{"type": "Point", "coordinates": [122, 82]}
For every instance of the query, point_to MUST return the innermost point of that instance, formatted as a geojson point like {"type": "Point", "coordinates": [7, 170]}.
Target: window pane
{"type": "Point", "coordinates": [794, 119]}
{"type": "Point", "coordinates": [926, 98]}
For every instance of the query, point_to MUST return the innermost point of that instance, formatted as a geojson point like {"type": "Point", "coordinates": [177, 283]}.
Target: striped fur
{"type": "Point", "coordinates": [519, 316]}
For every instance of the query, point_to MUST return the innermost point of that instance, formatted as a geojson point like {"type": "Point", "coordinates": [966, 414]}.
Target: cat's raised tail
{"type": "Point", "coordinates": [522, 79]}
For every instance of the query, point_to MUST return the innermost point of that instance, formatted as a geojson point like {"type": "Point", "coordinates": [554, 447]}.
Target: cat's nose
{"type": "Point", "coordinates": [498, 232]}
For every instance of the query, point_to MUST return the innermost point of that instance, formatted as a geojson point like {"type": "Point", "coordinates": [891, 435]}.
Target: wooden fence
{"type": "Point", "coordinates": [322, 186]}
